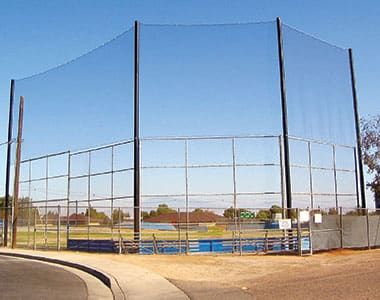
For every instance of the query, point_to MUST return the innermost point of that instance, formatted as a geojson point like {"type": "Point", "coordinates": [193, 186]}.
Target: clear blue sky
{"type": "Point", "coordinates": [38, 35]}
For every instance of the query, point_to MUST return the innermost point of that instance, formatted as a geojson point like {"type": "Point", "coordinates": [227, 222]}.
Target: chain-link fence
{"type": "Point", "coordinates": [167, 230]}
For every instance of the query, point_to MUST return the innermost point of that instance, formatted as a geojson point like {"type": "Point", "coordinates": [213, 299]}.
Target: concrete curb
{"type": "Point", "coordinates": [106, 279]}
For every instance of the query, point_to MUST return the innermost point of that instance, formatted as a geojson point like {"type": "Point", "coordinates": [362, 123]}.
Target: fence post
{"type": "Point", "coordinates": [28, 240]}
{"type": "Point", "coordinates": [240, 242]}
{"type": "Point", "coordinates": [35, 229]}
{"type": "Point", "coordinates": [46, 198]}
{"type": "Point", "coordinates": [335, 177]}
{"type": "Point", "coordinates": [30, 197]}
{"type": "Point", "coordinates": [112, 187]}
{"type": "Point", "coordinates": [310, 232]}
{"type": "Point", "coordinates": [88, 226]}
{"type": "Point", "coordinates": [17, 172]}
{"type": "Point", "coordinates": [88, 199]}
{"type": "Point", "coordinates": [299, 234]}
{"type": "Point", "coordinates": [341, 226]}
{"type": "Point", "coordinates": [45, 230]}
{"type": "Point", "coordinates": [310, 165]}
{"type": "Point", "coordinates": [119, 230]}
{"type": "Point", "coordinates": [179, 231]}
{"type": "Point", "coordinates": [68, 200]}
{"type": "Point", "coordinates": [59, 229]}
{"type": "Point", "coordinates": [187, 196]}
{"type": "Point", "coordinates": [368, 228]}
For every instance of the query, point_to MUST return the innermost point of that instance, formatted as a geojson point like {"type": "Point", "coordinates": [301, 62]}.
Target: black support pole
{"type": "Point", "coordinates": [136, 194]}
{"type": "Point", "coordinates": [288, 185]}
{"type": "Point", "coordinates": [358, 135]}
{"type": "Point", "coordinates": [8, 163]}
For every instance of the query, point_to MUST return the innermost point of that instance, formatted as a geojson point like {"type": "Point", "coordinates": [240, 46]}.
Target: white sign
{"type": "Point", "coordinates": [318, 218]}
{"type": "Point", "coordinates": [285, 223]}
{"type": "Point", "coordinates": [304, 216]}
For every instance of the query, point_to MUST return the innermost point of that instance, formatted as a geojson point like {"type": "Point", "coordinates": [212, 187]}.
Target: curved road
{"type": "Point", "coordinates": [25, 279]}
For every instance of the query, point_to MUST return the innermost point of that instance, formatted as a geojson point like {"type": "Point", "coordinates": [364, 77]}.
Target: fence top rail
{"type": "Point", "coordinates": [101, 147]}
{"type": "Point", "coordinates": [314, 167]}
{"type": "Point", "coordinates": [314, 141]}
{"type": "Point", "coordinates": [181, 138]}
{"type": "Point", "coordinates": [7, 142]}
{"type": "Point", "coordinates": [45, 156]}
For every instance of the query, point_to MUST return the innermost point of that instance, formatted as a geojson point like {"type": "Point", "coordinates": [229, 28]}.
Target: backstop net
{"type": "Point", "coordinates": [210, 116]}
{"type": "Point", "coordinates": [208, 122]}
{"type": "Point", "coordinates": [321, 122]}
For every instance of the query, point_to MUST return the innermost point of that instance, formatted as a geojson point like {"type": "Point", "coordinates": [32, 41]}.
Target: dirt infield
{"type": "Point", "coordinates": [334, 275]}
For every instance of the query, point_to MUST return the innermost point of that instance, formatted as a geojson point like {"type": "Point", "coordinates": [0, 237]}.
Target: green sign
{"type": "Point", "coordinates": [247, 215]}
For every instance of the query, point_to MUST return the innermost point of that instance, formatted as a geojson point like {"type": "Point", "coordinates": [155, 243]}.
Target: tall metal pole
{"type": "Point", "coordinates": [8, 165]}
{"type": "Point", "coordinates": [137, 198]}
{"type": "Point", "coordinates": [356, 180]}
{"type": "Point", "coordinates": [357, 127]}
{"type": "Point", "coordinates": [284, 115]}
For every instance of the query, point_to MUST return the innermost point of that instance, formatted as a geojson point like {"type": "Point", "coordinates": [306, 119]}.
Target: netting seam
{"type": "Point", "coordinates": [207, 25]}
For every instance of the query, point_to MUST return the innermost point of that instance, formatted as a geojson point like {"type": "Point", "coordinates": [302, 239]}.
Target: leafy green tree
{"type": "Point", "coordinates": [152, 213]}
{"type": "Point", "coordinates": [96, 216]}
{"type": "Point", "coordinates": [275, 209]}
{"type": "Point", "coordinates": [164, 209]}
{"type": "Point", "coordinates": [231, 212]}
{"type": "Point", "coordinates": [371, 153]}
{"type": "Point", "coordinates": [263, 214]}
{"type": "Point", "coordinates": [26, 210]}
{"type": "Point", "coordinates": [200, 210]}
{"type": "Point", "coordinates": [161, 210]}
{"type": "Point", "coordinates": [2, 201]}
{"type": "Point", "coordinates": [115, 215]}
{"type": "Point", "coordinates": [145, 215]}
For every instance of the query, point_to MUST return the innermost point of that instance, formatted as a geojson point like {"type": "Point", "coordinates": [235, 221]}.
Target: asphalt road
{"type": "Point", "coordinates": [24, 279]}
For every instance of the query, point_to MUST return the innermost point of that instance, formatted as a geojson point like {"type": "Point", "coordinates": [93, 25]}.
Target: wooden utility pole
{"type": "Point", "coordinates": [17, 172]}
